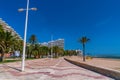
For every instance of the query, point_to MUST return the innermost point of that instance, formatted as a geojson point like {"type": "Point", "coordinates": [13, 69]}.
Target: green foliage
{"type": "Point", "coordinates": [33, 39]}
{"type": "Point", "coordinates": [7, 42]}
{"type": "Point", "coordinates": [35, 53]}
{"type": "Point", "coordinates": [8, 61]}
{"type": "Point", "coordinates": [58, 51]}
{"type": "Point", "coordinates": [70, 53]}
{"type": "Point", "coordinates": [83, 40]}
{"type": "Point", "coordinates": [1, 29]}
{"type": "Point", "coordinates": [44, 50]}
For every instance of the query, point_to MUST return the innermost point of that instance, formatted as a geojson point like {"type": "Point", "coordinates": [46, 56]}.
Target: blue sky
{"type": "Point", "coordinates": [99, 20]}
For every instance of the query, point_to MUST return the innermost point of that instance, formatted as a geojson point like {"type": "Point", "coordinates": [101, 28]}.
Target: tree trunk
{"type": "Point", "coordinates": [83, 52]}
{"type": "Point", "coordinates": [2, 57]}
{"type": "Point", "coordinates": [30, 55]}
{"type": "Point", "coordinates": [27, 51]}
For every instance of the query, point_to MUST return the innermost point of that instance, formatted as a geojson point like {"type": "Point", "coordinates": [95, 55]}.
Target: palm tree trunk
{"type": "Point", "coordinates": [2, 53]}
{"type": "Point", "coordinates": [83, 52]}
{"type": "Point", "coordinates": [2, 57]}
{"type": "Point", "coordinates": [30, 55]}
{"type": "Point", "coordinates": [27, 53]}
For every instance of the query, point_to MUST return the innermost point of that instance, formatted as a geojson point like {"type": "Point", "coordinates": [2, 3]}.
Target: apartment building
{"type": "Point", "coordinates": [8, 28]}
{"type": "Point", "coordinates": [58, 42]}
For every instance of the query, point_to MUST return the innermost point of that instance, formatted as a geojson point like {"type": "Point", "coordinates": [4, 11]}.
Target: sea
{"type": "Point", "coordinates": [108, 56]}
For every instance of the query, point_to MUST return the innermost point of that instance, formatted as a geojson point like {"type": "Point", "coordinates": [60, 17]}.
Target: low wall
{"type": "Point", "coordinates": [106, 72]}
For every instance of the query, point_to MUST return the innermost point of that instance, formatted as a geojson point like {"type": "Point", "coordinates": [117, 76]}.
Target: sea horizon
{"type": "Point", "coordinates": [108, 56]}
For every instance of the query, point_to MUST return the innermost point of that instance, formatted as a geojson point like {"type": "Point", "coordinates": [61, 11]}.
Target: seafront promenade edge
{"type": "Point", "coordinates": [102, 70]}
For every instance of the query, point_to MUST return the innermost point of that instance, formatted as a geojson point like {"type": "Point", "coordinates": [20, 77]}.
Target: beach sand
{"type": "Point", "coordinates": [113, 64]}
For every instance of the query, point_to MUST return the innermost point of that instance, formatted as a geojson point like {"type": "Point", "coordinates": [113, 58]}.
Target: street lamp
{"type": "Point", "coordinates": [22, 9]}
{"type": "Point", "coordinates": [25, 32]}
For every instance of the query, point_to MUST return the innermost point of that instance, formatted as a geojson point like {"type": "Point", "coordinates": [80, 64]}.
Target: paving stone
{"type": "Point", "coordinates": [47, 69]}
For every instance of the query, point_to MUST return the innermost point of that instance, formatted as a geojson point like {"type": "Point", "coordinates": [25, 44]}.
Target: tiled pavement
{"type": "Point", "coordinates": [47, 69]}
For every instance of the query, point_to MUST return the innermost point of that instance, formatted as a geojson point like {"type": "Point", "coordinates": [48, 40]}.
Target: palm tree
{"type": "Point", "coordinates": [31, 47]}
{"type": "Point", "coordinates": [83, 40]}
{"type": "Point", "coordinates": [61, 52]}
{"type": "Point", "coordinates": [36, 50]}
{"type": "Point", "coordinates": [33, 39]}
{"type": "Point", "coordinates": [55, 50]}
{"type": "Point", "coordinates": [1, 37]}
{"type": "Point", "coordinates": [6, 40]}
{"type": "Point", "coordinates": [2, 50]}
{"type": "Point", "coordinates": [58, 51]}
{"type": "Point", "coordinates": [17, 44]}
{"type": "Point", "coordinates": [44, 50]}
{"type": "Point", "coordinates": [65, 53]}
{"type": "Point", "coordinates": [1, 28]}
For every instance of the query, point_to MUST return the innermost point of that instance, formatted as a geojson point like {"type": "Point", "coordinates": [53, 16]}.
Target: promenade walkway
{"type": "Point", "coordinates": [47, 69]}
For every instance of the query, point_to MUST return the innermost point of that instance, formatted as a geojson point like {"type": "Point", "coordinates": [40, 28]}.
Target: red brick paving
{"type": "Point", "coordinates": [54, 69]}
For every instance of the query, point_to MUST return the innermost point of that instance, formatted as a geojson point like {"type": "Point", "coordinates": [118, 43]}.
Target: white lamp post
{"type": "Point", "coordinates": [25, 33]}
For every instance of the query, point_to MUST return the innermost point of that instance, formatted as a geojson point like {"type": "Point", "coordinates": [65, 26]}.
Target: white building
{"type": "Point", "coordinates": [44, 44]}
{"type": "Point", "coordinates": [8, 28]}
{"type": "Point", "coordinates": [58, 42]}
{"type": "Point", "coordinates": [79, 52]}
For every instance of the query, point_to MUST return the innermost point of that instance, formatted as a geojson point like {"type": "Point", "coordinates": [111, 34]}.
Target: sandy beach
{"type": "Point", "coordinates": [113, 64]}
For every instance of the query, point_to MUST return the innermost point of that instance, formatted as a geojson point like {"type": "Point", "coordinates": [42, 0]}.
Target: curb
{"type": "Point", "coordinates": [110, 73]}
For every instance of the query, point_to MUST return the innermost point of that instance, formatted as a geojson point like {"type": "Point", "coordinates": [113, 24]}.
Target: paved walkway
{"type": "Point", "coordinates": [47, 69]}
